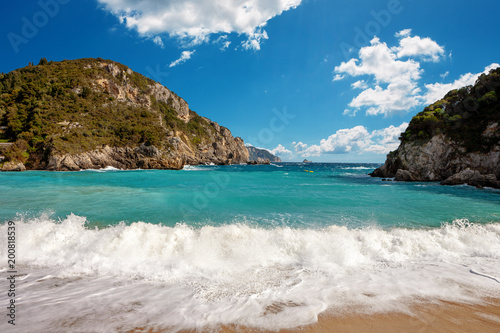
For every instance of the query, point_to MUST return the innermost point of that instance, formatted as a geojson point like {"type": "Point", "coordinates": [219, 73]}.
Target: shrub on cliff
{"type": "Point", "coordinates": [462, 115]}
{"type": "Point", "coordinates": [65, 107]}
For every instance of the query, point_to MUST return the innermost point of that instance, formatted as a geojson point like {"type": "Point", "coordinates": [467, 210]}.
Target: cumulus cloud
{"type": "Point", "coordinates": [386, 139]}
{"type": "Point", "coordinates": [299, 147]}
{"type": "Point", "coordinates": [185, 56]}
{"type": "Point", "coordinates": [197, 20]}
{"type": "Point", "coordinates": [396, 75]}
{"type": "Point", "coordinates": [436, 91]}
{"type": "Point", "coordinates": [357, 139]}
{"type": "Point", "coordinates": [341, 142]}
{"type": "Point", "coordinates": [280, 150]}
{"type": "Point", "coordinates": [381, 62]}
{"type": "Point", "coordinates": [425, 48]}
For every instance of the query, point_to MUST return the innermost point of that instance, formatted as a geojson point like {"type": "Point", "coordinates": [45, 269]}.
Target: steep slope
{"type": "Point", "coordinates": [93, 113]}
{"type": "Point", "coordinates": [455, 140]}
{"type": "Point", "coordinates": [261, 155]}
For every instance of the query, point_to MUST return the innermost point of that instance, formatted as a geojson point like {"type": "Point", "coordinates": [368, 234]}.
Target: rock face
{"type": "Point", "coordinates": [437, 160]}
{"type": "Point", "coordinates": [13, 166]}
{"type": "Point", "coordinates": [118, 157]}
{"type": "Point", "coordinates": [455, 141]}
{"type": "Point", "coordinates": [117, 118]}
{"type": "Point", "coordinates": [473, 178]}
{"type": "Point", "coordinates": [261, 156]}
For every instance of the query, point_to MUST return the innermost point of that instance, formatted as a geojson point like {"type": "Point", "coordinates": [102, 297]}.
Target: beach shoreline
{"type": "Point", "coordinates": [431, 317]}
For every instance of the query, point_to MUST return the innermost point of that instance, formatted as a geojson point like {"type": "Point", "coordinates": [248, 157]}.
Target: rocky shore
{"type": "Point", "coordinates": [117, 118]}
{"type": "Point", "coordinates": [454, 141]}
{"type": "Point", "coordinates": [442, 160]}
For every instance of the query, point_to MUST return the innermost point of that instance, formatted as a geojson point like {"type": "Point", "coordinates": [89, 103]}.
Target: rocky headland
{"type": "Point", "coordinates": [454, 141]}
{"type": "Point", "coordinates": [261, 156]}
{"type": "Point", "coordinates": [94, 113]}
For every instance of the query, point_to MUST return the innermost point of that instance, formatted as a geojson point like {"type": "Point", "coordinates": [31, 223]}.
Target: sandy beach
{"type": "Point", "coordinates": [430, 318]}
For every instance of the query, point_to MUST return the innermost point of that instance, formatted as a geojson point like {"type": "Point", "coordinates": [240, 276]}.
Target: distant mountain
{"type": "Point", "coordinates": [93, 113]}
{"type": "Point", "coordinates": [456, 140]}
{"type": "Point", "coordinates": [260, 155]}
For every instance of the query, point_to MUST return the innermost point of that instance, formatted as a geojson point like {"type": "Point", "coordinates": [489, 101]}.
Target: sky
{"type": "Point", "coordinates": [323, 80]}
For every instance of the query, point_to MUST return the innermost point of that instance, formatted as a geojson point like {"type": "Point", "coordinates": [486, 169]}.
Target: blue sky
{"type": "Point", "coordinates": [324, 80]}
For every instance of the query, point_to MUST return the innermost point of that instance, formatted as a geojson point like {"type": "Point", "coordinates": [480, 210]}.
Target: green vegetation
{"type": "Point", "coordinates": [462, 115]}
{"type": "Point", "coordinates": [60, 107]}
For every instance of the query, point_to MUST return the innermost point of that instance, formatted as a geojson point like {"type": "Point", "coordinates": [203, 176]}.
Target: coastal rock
{"type": "Point", "coordinates": [259, 161]}
{"type": "Point", "coordinates": [437, 160]}
{"type": "Point", "coordinates": [404, 176]}
{"type": "Point", "coordinates": [120, 119]}
{"type": "Point", "coordinates": [473, 178]}
{"type": "Point", "coordinates": [117, 157]}
{"type": "Point", "coordinates": [13, 166]}
{"type": "Point", "coordinates": [456, 140]}
{"type": "Point", "coordinates": [258, 154]}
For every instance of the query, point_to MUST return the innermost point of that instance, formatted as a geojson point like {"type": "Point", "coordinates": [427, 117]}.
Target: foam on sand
{"type": "Point", "coordinates": [146, 275]}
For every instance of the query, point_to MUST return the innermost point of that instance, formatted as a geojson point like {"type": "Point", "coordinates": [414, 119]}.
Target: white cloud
{"type": "Point", "coordinates": [254, 40]}
{"type": "Point", "coordinates": [386, 139]}
{"type": "Point", "coordinates": [299, 147]}
{"type": "Point", "coordinates": [361, 84]}
{"type": "Point", "coordinates": [280, 150]}
{"type": "Point", "coordinates": [355, 140]}
{"type": "Point", "coordinates": [395, 88]}
{"type": "Point", "coordinates": [185, 56]}
{"type": "Point", "coordinates": [225, 45]}
{"type": "Point", "coordinates": [338, 77]}
{"type": "Point", "coordinates": [436, 91]}
{"type": "Point", "coordinates": [445, 75]}
{"type": "Point", "coordinates": [403, 33]}
{"type": "Point", "coordinates": [381, 62]}
{"type": "Point", "coordinates": [342, 142]}
{"type": "Point", "coordinates": [398, 97]}
{"type": "Point", "coordinates": [425, 48]}
{"type": "Point", "coordinates": [158, 41]}
{"type": "Point", "coordinates": [197, 20]}
{"type": "Point", "coordinates": [350, 112]}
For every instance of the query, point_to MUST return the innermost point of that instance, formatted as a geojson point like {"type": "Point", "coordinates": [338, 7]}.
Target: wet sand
{"type": "Point", "coordinates": [439, 317]}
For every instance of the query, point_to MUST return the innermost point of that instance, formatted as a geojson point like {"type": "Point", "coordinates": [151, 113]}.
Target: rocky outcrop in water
{"type": "Point", "coordinates": [455, 141]}
{"type": "Point", "coordinates": [94, 113]}
{"type": "Point", "coordinates": [261, 156]}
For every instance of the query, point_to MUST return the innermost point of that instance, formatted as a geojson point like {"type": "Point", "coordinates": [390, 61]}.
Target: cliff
{"type": "Point", "coordinates": [456, 140]}
{"type": "Point", "coordinates": [261, 155]}
{"type": "Point", "coordinates": [93, 113]}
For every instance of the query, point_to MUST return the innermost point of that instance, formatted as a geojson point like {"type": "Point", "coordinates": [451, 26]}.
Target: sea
{"type": "Point", "coordinates": [263, 246]}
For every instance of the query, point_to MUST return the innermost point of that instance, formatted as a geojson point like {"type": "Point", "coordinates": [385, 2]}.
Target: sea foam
{"type": "Point", "coordinates": [138, 275]}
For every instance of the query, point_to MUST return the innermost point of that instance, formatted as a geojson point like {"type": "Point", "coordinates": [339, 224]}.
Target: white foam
{"type": "Point", "coordinates": [358, 168]}
{"type": "Point", "coordinates": [178, 277]}
{"type": "Point", "coordinates": [192, 168]}
{"type": "Point", "coordinates": [108, 168]}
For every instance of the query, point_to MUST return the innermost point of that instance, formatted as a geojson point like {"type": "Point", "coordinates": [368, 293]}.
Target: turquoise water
{"type": "Point", "coordinates": [267, 246]}
{"type": "Point", "coordinates": [268, 195]}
